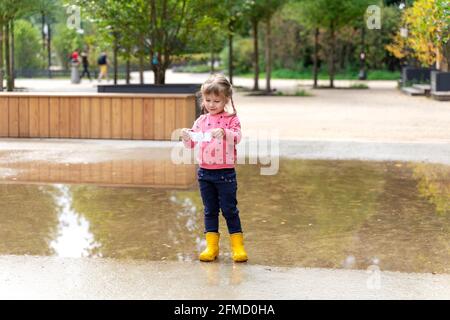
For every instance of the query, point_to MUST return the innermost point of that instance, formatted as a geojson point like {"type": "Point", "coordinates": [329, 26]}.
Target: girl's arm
{"type": "Point", "coordinates": [234, 130]}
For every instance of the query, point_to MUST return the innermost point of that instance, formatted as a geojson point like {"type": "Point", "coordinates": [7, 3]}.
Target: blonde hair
{"type": "Point", "coordinates": [218, 85]}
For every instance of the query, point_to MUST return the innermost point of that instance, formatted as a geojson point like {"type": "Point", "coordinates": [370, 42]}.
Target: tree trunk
{"type": "Point", "coordinates": [268, 56]}
{"type": "Point", "coordinates": [1, 56]}
{"type": "Point", "coordinates": [212, 61]}
{"type": "Point", "coordinates": [49, 50]}
{"type": "Point", "coordinates": [141, 60]}
{"type": "Point", "coordinates": [332, 53]}
{"type": "Point", "coordinates": [445, 58]}
{"type": "Point", "coordinates": [159, 69]}
{"type": "Point", "coordinates": [128, 71]}
{"type": "Point", "coordinates": [159, 74]}
{"type": "Point", "coordinates": [316, 56]}
{"type": "Point", "coordinates": [255, 56]}
{"type": "Point", "coordinates": [340, 55]}
{"type": "Point", "coordinates": [7, 58]}
{"type": "Point", "coordinates": [230, 52]}
{"type": "Point", "coordinates": [116, 49]}
{"type": "Point", "coordinates": [141, 69]}
{"type": "Point", "coordinates": [13, 77]}
{"type": "Point", "coordinates": [43, 32]}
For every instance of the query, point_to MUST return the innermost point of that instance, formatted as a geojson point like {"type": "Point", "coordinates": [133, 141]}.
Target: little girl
{"type": "Point", "coordinates": [218, 132]}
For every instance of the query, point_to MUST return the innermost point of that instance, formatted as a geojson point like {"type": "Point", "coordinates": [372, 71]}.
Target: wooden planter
{"type": "Point", "coordinates": [94, 115]}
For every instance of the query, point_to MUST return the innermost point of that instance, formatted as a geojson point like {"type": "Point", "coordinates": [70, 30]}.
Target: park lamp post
{"type": "Point", "coordinates": [404, 34]}
{"type": "Point", "coordinates": [362, 57]}
{"type": "Point", "coordinates": [46, 31]}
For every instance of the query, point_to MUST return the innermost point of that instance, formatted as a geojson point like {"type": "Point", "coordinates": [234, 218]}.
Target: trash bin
{"type": "Point", "coordinates": [75, 73]}
{"type": "Point", "coordinates": [362, 75]}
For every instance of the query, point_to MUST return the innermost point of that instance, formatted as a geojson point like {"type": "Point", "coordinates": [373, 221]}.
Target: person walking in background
{"type": "Point", "coordinates": [85, 63]}
{"type": "Point", "coordinates": [103, 66]}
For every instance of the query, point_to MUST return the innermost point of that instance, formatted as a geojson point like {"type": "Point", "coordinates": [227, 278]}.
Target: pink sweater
{"type": "Point", "coordinates": [217, 153]}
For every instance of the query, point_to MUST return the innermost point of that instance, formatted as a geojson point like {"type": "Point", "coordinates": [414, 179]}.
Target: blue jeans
{"type": "Point", "coordinates": [218, 190]}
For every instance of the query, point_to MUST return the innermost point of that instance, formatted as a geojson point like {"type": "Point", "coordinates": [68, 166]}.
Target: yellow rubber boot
{"type": "Point", "coordinates": [212, 247]}
{"type": "Point", "coordinates": [237, 246]}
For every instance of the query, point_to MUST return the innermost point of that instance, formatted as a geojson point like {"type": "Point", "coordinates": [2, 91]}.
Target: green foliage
{"type": "Point", "coordinates": [323, 75]}
{"type": "Point", "coordinates": [205, 29]}
{"type": "Point", "coordinates": [27, 54]}
{"type": "Point", "coordinates": [332, 13]}
{"type": "Point", "coordinates": [377, 40]}
{"type": "Point", "coordinates": [243, 58]}
{"type": "Point", "coordinates": [209, 35]}
{"type": "Point", "coordinates": [65, 41]}
{"type": "Point", "coordinates": [14, 9]}
{"type": "Point", "coordinates": [298, 93]}
{"type": "Point", "coordinates": [359, 86]}
{"type": "Point", "coordinates": [428, 32]}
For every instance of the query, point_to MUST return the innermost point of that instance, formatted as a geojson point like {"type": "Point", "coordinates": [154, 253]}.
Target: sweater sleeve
{"type": "Point", "coordinates": [195, 128]}
{"type": "Point", "coordinates": [234, 130]}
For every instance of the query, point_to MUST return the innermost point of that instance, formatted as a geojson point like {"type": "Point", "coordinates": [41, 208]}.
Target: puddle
{"type": "Point", "coordinates": [313, 213]}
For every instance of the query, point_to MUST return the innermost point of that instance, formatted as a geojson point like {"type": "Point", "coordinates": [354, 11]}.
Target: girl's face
{"type": "Point", "coordinates": [214, 104]}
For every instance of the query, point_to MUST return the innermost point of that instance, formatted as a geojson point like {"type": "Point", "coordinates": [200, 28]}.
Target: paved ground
{"type": "Point", "coordinates": [381, 114]}
{"type": "Point", "coordinates": [280, 84]}
{"type": "Point", "coordinates": [377, 115]}
{"type": "Point", "coordinates": [376, 124]}
{"type": "Point", "coordinates": [82, 278]}
{"type": "Point", "coordinates": [92, 150]}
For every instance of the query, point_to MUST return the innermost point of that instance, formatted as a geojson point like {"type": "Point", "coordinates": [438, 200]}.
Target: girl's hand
{"type": "Point", "coordinates": [185, 134]}
{"type": "Point", "coordinates": [218, 133]}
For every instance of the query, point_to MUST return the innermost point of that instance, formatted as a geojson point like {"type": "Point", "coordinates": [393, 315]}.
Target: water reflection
{"type": "Point", "coordinates": [28, 219]}
{"type": "Point", "coordinates": [216, 273]}
{"type": "Point", "coordinates": [160, 173]}
{"type": "Point", "coordinates": [434, 185]}
{"type": "Point", "coordinates": [74, 237]}
{"type": "Point", "coordinates": [314, 213]}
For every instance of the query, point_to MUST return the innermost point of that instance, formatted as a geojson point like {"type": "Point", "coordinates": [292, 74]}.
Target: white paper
{"type": "Point", "coordinates": [200, 136]}
{"type": "Point", "coordinates": [207, 136]}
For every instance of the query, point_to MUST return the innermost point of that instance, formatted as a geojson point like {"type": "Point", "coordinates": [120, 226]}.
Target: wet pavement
{"type": "Point", "coordinates": [336, 214]}
{"type": "Point", "coordinates": [359, 208]}
{"type": "Point", "coordinates": [25, 277]}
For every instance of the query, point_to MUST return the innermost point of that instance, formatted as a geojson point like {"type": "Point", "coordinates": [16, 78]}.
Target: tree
{"type": "Point", "coordinates": [299, 12]}
{"type": "Point", "coordinates": [172, 24]}
{"type": "Point", "coordinates": [27, 40]}
{"type": "Point", "coordinates": [10, 10]}
{"type": "Point", "coordinates": [48, 10]}
{"type": "Point", "coordinates": [332, 15]}
{"type": "Point", "coordinates": [210, 36]}
{"type": "Point", "coordinates": [268, 8]}
{"type": "Point", "coordinates": [119, 23]}
{"type": "Point", "coordinates": [254, 12]}
{"type": "Point", "coordinates": [428, 26]}
{"type": "Point", "coordinates": [64, 41]}
{"type": "Point", "coordinates": [234, 21]}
